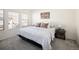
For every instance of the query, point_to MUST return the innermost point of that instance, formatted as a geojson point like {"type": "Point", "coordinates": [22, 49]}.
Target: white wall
{"type": "Point", "coordinates": [77, 25]}
{"type": "Point", "coordinates": [11, 32]}
{"type": "Point", "coordinates": [66, 18]}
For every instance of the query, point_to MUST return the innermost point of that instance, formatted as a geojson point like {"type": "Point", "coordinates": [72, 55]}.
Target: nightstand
{"type": "Point", "coordinates": [60, 33]}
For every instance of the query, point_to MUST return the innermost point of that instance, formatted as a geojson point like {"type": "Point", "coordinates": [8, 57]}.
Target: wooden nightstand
{"type": "Point", "coordinates": [60, 33]}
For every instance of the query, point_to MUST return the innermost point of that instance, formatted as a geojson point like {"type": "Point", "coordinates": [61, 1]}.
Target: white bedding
{"type": "Point", "coordinates": [42, 36]}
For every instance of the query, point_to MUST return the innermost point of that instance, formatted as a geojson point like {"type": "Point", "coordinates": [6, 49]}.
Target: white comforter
{"type": "Point", "coordinates": [42, 36]}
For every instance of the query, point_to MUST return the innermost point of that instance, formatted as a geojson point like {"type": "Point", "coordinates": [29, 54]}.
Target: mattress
{"type": "Point", "coordinates": [42, 36]}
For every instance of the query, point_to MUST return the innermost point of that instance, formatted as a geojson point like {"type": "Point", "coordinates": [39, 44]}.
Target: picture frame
{"type": "Point", "coordinates": [45, 15]}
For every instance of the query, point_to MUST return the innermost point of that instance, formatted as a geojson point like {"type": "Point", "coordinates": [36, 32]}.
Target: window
{"type": "Point", "coordinates": [24, 18]}
{"type": "Point", "coordinates": [1, 19]}
{"type": "Point", "coordinates": [12, 19]}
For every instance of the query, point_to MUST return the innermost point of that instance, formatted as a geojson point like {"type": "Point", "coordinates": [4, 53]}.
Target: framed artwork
{"type": "Point", "coordinates": [45, 15]}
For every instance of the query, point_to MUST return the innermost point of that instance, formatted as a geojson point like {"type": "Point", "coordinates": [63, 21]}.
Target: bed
{"type": "Point", "coordinates": [43, 36]}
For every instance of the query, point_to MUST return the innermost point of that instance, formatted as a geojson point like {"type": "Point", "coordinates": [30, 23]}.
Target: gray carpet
{"type": "Point", "coordinates": [60, 44]}
{"type": "Point", "coordinates": [16, 43]}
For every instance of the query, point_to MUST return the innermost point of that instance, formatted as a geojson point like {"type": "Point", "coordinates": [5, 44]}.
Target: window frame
{"type": "Point", "coordinates": [2, 16]}
{"type": "Point", "coordinates": [25, 19]}
{"type": "Point", "coordinates": [13, 23]}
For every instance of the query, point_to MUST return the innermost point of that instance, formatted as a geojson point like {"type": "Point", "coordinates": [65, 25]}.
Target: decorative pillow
{"type": "Point", "coordinates": [44, 25]}
{"type": "Point", "coordinates": [38, 24]}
